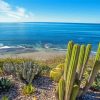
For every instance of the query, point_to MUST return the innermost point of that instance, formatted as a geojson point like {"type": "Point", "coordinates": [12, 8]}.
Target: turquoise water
{"type": "Point", "coordinates": [28, 37]}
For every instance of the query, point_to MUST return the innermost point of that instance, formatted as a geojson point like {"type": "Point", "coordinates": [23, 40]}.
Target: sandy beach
{"type": "Point", "coordinates": [38, 55]}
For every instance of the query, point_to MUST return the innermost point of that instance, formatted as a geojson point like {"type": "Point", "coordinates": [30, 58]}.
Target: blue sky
{"type": "Point", "coordinates": [81, 11]}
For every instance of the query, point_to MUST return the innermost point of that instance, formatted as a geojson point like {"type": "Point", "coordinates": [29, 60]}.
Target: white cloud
{"type": "Point", "coordinates": [17, 14]}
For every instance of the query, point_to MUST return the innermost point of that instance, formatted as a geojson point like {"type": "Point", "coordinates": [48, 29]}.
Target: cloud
{"type": "Point", "coordinates": [17, 14]}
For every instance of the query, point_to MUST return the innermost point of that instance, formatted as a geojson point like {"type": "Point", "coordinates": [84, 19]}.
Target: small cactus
{"type": "Point", "coordinates": [60, 66]}
{"type": "Point", "coordinates": [29, 71]}
{"type": "Point", "coordinates": [56, 74]}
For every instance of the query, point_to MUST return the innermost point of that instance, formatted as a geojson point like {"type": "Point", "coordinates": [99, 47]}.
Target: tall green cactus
{"type": "Point", "coordinates": [68, 57]}
{"type": "Point", "coordinates": [75, 64]}
{"type": "Point", "coordinates": [83, 68]}
{"type": "Point", "coordinates": [71, 71]}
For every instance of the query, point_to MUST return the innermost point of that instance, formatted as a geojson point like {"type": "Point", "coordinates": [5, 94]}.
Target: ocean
{"type": "Point", "coordinates": [37, 36]}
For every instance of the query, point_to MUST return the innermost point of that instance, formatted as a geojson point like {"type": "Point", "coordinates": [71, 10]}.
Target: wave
{"type": "Point", "coordinates": [36, 47]}
{"type": "Point", "coordinates": [48, 45]}
{"type": "Point", "coordinates": [11, 47]}
{"type": "Point", "coordinates": [5, 47]}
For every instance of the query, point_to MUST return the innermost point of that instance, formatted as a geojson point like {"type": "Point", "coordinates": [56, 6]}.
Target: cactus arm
{"type": "Point", "coordinates": [98, 53]}
{"type": "Point", "coordinates": [68, 57]}
{"type": "Point", "coordinates": [61, 85]}
{"type": "Point", "coordinates": [86, 57]}
{"type": "Point", "coordinates": [71, 71]}
{"type": "Point", "coordinates": [94, 71]}
{"type": "Point", "coordinates": [24, 71]}
{"type": "Point", "coordinates": [29, 72]}
{"type": "Point", "coordinates": [32, 76]}
{"type": "Point", "coordinates": [75, 91]}
{"type": "Point", "coordinates": [80, 60]}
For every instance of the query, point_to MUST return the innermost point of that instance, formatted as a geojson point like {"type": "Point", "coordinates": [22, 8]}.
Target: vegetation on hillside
{"type": "Point", "coordinates": [76, 70]}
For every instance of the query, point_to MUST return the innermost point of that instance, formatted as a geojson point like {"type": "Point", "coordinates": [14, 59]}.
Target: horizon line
{"type": "Point", "coordinates": [55, 22]}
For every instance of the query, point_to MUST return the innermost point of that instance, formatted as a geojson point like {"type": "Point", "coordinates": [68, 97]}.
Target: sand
{"type": "Point", "coordinates": [38, 55]}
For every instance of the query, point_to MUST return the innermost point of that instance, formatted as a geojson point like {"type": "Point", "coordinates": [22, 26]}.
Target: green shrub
{"type": "Point", "coordinates": [9, 64]}
{"type": "Point", "coordinates": [28, 89]}
{"type": "Point", "coordinates": [4, 98]}
{"type": "Point", "coordinates": [45, 70]}
{"type": "Point", "coordinates": [5, 84]}
{"type": "Point", "coordinates": [8, 68]}
{"type": "Point", "coordinates": [96, 83]}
